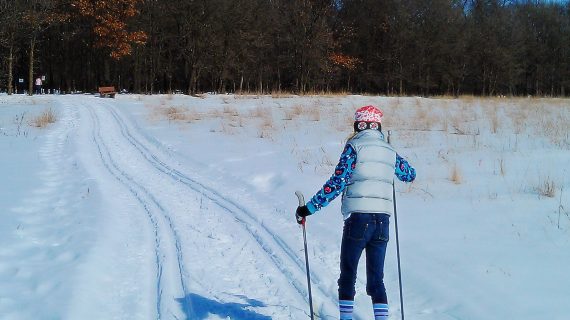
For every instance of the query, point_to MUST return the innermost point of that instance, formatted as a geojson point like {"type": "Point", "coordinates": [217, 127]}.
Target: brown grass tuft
{"type": "Point", "coordinates": [314, 114]}
{"type": "Point", "coordinates": [282, 95]}
{"type": "Point", "coordinates": [174, 113]}
{"type": "Point", "coordinates": [502, 167]}
{"type": "Point", "coordinates": [260, 112]}
{"type": "Point", "coordinates": [455, 175]}
{"type": "Point", "coordinates": [494, 119]}
{"type": "Point", "coordinates": [43, 120]}
{"type": "Point", "coordinates": [547, 189]}
{"type": "Point", "coordinates": [230, 110]}
{"type": "Point", "coordinates": [293, 112]}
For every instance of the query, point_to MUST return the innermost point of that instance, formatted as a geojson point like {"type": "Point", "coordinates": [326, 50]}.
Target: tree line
{"type": "Point", "coordinates": [396, 47]}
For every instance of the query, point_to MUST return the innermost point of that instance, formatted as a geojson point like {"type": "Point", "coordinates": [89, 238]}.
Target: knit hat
{"type": "Point", "coordinates": [368, 114]}
{"type": "Point", "coordinates": [367, 117]}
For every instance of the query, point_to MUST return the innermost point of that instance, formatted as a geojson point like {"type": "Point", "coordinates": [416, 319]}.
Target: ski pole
{"type": "Point", "coordinates": [397, 240]}
{"type": "Point", "coordinates": [398, 251]}
{"type": "Point", "coordinates": [302, 203]}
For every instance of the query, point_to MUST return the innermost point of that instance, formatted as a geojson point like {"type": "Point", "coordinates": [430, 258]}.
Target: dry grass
{"type": "Point", "coordinates": [246, 95]}
{"type": "Point", "coordinates": [265, 133]}
{"type": "Point", "coordinates": [494, 119]}
{"type": "Point", "coordinates": [265, 123]}
{"type": "Point", "coordinates": [553, 124]}
{"type": "Point", "coordinates": [230, 110]}
{"type": "Point", "coordinates": [200, 95]}
{"type": "Point", "coordinates": [502, 167]}
{"type": "Point", "coordinates": [298, 109]}
{"type": "Point", "coordinates": [519, 117]}
{"type": "Point", "coordinates": [214, 113]}
{"type": "Point", "coordinates": [175, 113]}
{"type": "Point", "coordinates": [455, 175]}
{"type": "Point", "coordinates": [422, 119]}
{"type": "Point", "coordinates": [547, 188]}
{"type": "Point", "coordinates": [314, 113]}
{"type": "Point", "coordinates": [462, 119]}
{"type": "Point", "coordinates": [455, 120]}
{"type": "Point", "coordinates": [418, 115]}
{"type": "Point", "coordinates": [288, 116]}
{"type": "Point", "coordinates": [193, 115]}
{"type": "Point", "coordinates": [260, 112]}
{"type": "Point", "coordinates": [293, 112]}
{"type": "Point", "coordinates": [311, 112]}
{"type": "Point", "coordinates": [282, 95]}
{"type": "Point", "coordinates": [325, 93]}
{"type": "Point", "coordinates": [44, 119]}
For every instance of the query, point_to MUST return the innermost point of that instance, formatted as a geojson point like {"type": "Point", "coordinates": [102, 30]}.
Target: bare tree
{"type": "Point", "coordinates": [10, 20]}
{"type": "Point", "coordinates": [425, 47]}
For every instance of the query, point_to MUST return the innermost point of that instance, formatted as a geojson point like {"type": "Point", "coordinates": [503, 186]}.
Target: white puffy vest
{"type": "Point", "coordinates": [370, 189]}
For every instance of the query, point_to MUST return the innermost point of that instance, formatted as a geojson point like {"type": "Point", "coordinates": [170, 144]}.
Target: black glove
{"type": "Point", "coordinates": [301, 213]}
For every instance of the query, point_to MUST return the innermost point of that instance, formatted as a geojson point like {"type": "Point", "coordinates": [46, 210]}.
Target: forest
{"type": "Point", "coordinates": [389, 47]}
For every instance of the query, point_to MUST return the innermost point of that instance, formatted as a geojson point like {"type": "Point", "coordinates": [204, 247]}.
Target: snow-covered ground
{"type": "Point", "coordinates": [177, 207]}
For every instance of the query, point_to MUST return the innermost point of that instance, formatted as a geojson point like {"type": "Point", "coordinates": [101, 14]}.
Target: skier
{"type": "Point", "coordinates": [364, 176]}
{"type": "Point", "coordinates": [38, 85]}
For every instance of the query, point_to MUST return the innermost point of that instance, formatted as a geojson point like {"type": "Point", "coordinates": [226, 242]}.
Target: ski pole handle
{"type": "Point", "coordinates": [389, 135]}
{"type": "Point", "coordinates": [300, 198]}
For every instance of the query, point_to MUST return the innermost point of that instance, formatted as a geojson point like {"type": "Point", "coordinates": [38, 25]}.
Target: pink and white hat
{"type": "Point", "coordinates": [368, 114]}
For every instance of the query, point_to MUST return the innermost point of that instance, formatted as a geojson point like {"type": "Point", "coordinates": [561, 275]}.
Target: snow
{"type": "Point", "coordinates": [179, 207]}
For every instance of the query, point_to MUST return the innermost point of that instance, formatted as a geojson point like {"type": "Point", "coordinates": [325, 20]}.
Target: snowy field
{"type": "Point", "coordinates": [178, 207]}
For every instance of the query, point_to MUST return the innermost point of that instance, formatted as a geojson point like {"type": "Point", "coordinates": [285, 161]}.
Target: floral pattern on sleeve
{"type": "Point", "coordinates": [337, 182]}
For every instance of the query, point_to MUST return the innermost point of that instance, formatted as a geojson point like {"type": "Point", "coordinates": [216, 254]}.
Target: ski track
{"type": "Point", "coordinates": [147, 200]}
{"type": "Point", "coordinates": [118, 148]}
{"type": "Point", "coordinates": [161, 228]}
{"type": "Point", "coordinates": [238, 213]}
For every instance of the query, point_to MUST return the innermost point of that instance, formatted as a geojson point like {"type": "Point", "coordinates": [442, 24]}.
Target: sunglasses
{"type": "Point", "coordinates": [363, 125]}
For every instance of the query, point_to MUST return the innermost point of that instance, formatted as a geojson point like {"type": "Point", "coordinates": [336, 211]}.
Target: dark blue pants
{"type": "Point", "coordinates": [364, 231]}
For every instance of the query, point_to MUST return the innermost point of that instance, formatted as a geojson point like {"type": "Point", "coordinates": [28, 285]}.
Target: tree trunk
{"type": "Point", "coordinates": [484, 81]}
{"type": "Point", "coordinates": [191, 82]}
{"type": "Point", "coordinates": [260, 89]}
{"type": "Point", "coordinates": [241, 85]}
{"type": "Point", "coordinates": [279, 79]}
{"type": "Point", "coordinates": [31, 63]}
{"type": "Point", "coordinates": [107, 72]}
{"type": "Point", "coordinates": [10, 70]}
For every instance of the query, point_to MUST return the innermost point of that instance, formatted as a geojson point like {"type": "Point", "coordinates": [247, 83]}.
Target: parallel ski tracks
{"type": "Point", "coordinates": [159, 218]}
{"type": "Point", "coordinates": [248, 222]}
{"type": "Point", "coordinates": [238, 212]}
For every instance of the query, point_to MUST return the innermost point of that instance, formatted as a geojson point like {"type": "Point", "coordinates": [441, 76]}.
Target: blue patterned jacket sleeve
{"type": "Point", "coordinates": [337, 183]}
{"type": "Point", "coordinates": [404, 171]}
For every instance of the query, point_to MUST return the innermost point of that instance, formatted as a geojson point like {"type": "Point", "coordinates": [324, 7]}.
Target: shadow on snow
{"type": "Point", "coordinates": [197, 307]}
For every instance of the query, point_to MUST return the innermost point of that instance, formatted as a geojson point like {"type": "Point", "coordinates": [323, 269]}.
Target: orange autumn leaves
{"type": "Point", "coordinates": [344, 61]}
{"type": "Point", "coordinates": [110, 24]}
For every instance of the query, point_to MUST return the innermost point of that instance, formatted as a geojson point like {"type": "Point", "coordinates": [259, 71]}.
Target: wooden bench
{"type": "Point", "coordinates": [105, 92]}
